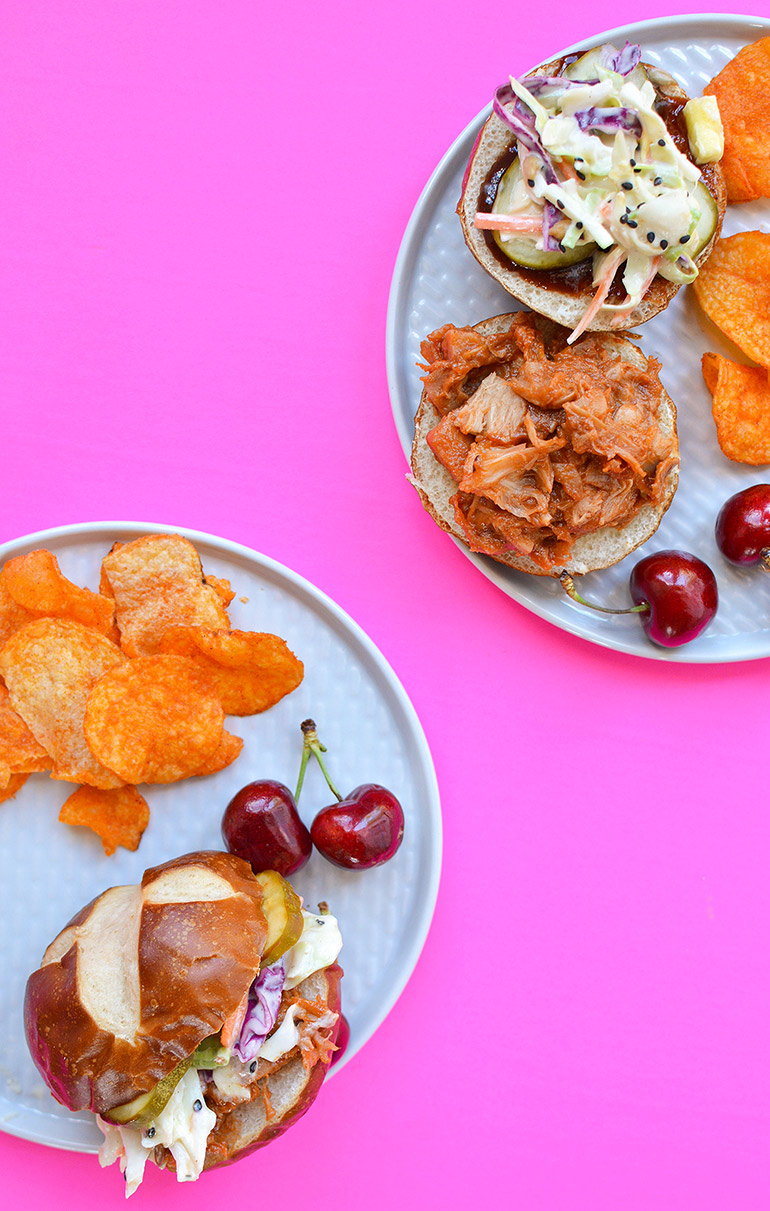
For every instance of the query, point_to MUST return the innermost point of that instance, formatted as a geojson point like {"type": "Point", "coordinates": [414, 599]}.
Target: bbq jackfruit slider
{"type": "Point", "coordinates": [195, 1013]}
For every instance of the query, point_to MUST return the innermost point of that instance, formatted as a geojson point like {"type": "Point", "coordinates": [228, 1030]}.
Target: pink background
{"type": "Point", "coordinates": [201, 207]}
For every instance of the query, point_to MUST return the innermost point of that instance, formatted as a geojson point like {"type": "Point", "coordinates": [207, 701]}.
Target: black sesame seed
{"type": "Point", "coordinates": [664, 243]}
{"type": "Point", "coordinates": [632, 162]}
{"type": "Point", "coordinates": [579, 226]}
{"type": "Point", "coordinates": [197, 1104]}
{"type": "Point", "coordinates": [624, 218]}
{"type": "Point", "coordinates": [628, 185]}
{"type": "Point", "coordinates": [661, 142]}
{"type": "Point", "coordinates": [651, 236]}
{"type": "Point", "coordinates": [684, 239]}
{"type": "Point", "coordinates": [578, 159]}
{"type": "Point", "coordinates": [582, 175]}
{"type": "Point", "coordinates": [632, 223]}
{"type": "Point", "coordinates": [658, 181]}
{"type": "Point", "coordinates": [560, 205]}
{"type": "Point", "coordinates": [531, 184]}
{"type": "Point", "coordinates": [253, 1066]}
{"type": "Point", "coordinates": [637, 169]}
{"type": "Point", "coordinates": [150, 1132]}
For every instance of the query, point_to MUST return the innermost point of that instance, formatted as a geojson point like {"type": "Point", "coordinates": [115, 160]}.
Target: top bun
{"type": "Point", "coordinates": [141, 976]}
{"type": "Point", "coordinates": [550, 293]}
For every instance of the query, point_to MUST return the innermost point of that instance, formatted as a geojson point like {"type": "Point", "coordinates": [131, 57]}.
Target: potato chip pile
{"type": "Point", "coordinates": [742, 90]}
{"type": "Point", "coordinates": [128, 685]}
{"type": "Point", "coordinates": [733, 289]}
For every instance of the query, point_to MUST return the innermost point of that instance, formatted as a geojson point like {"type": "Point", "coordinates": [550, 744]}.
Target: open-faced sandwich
{"type": "Point", "coordinates": [546, 455]}
{"type": "Point", "coordinates": [594, 189]}
{"type": "Point", "coordinates": [195, 1013]}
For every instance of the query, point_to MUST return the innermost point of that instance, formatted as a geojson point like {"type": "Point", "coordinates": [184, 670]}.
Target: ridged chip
{"type": "Point", "coordinates": [15, 784]}
{"type": "Point", "coordinates": [157, 582]}
{"type": "Point", "coordinates": [222, 587]}
{"type": "Point", "coordinates": [12, 616]}
{"type": "Point", "coordinates": [50, 667]}
{"type": "Point", "coordinates": [36, 583]}
{"type": "Point", "coordinates": [733, 288]}
{"type": "Point", "coordinates": [741, 408]}
{"type": "Point", "coordinates": [118, 817]}
{"type": "Point", "coordinates": [742, 90]}
{"type": "Point", "coordinates": [154, 719]}
{"type": "Point", "coordinates": [251, 671]}
{"type": "Point", "coordinates": [224, 754]}
{"type": "Point", "coordinates": [20, 752]}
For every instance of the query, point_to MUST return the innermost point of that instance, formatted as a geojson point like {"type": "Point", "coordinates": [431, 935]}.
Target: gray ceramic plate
{"type": "Point", "coordinates": [48, 870]}
{"type": "Point", "coordinates": [437, 281]}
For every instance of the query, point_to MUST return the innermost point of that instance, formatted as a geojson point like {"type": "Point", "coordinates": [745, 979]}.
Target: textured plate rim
{"type": "Point", "coordinates": [732, 24]}
{"type": "Point", "coordinates": [420, 921]}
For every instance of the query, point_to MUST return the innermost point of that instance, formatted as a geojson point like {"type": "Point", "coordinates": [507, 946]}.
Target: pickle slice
{"type": "Point", "coordinates": [143, 1109]}
{"type": "Point", "coordinates": [586, 68]}
{"type": "Point", "coordinates": [706, 225]}
{"type": "Point", "coordinates": [523, 251]}
{"type": "Point", "coordinates": [283, 909]}
{"type": "Point", "coordinates": [147, 1106]}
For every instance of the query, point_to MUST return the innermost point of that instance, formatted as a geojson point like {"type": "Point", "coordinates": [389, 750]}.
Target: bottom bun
{"type": "Point", "coordinates": [603, 546]}
{"type": "Point", "coordinates": [291, 1090]}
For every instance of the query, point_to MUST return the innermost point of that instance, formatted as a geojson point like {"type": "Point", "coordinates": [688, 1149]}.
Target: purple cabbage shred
{"type": "Point", "coordinates": [622, 61]}
{"type": "Point", "coordinates": [609, 118]}
{"type": "Point", "coordinates": [520, 119]}
{"type": "Point", "coordinates": [262, 1011]}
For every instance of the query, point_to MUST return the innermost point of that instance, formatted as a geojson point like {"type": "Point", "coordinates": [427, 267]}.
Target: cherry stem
{"type": "Point", "coordinates": [568, 584]}
{"type": "Point", "coordinates": [311, 744]}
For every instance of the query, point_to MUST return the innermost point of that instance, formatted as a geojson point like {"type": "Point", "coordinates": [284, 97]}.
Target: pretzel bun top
{"type": "Point", "coordinates": [141, 975]}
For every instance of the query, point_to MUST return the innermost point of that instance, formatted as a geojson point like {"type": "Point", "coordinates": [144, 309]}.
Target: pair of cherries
{"type": "Point", "coordinates": [674, 592]}
{"type": "Point", "coordinates": [261, 823]}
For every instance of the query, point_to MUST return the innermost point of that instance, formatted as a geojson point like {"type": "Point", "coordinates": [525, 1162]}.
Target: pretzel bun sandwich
{"type": "Point", "coordinates": [594, 189]}
{"type": "Point", "coordinates": [195, 1013]}
{"type": "Point", "coordinates": [546, 455]}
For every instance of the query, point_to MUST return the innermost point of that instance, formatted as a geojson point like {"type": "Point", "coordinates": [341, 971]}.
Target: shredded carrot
{"type": "Point", "coordinates": [611, 267]}
{"type": "Point", "coordinates": [264, 1089]}
{"type": "Point", "coordinates": [525, 224]}
{"type": "Point", "coordinates": [232, 1026]}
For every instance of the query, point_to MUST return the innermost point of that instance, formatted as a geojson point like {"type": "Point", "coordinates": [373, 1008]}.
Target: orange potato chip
{"type": "Point", "coordinates": [741, 408]}
{"type": "Point", "coordinates": [50, 667]}
{"type": "Point", "coordinates": [118, 817]}
{"type": "Point", "coordinates": [35, 582]}
{"type": "Point", "coordinates": [158, 582]}
{"type": "Point", "coordinates": [733, 288]}
{"type": "Point", "coordinates": [12, 616]}
{"type": "Point", "coordinates": [20, 752]}
{"type": "Point", "coordinates": [16, 782]}
{"type": "Point", "coordinates": [154, 719]}
{"type": "Point", "coordinates": [224, 754]}
{"type": "Point", "coordinates": [251, 671]}
{"type": "Point", "coordinates": [222, 588]}
{"type": "Point", "coordinates": [742, 90]}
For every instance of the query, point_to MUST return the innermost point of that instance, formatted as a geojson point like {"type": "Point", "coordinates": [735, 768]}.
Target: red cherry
{"type": "Point", "coordinates": [342, 1040]}
{"type": "Point", "coordinates": [363, 830]}
{"type": "Point", "coordinates": [681, 593]}
{"type": "Point", "coordinates": [742, 528]}
{"type": "Point", "coordinates": [262, 825]}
